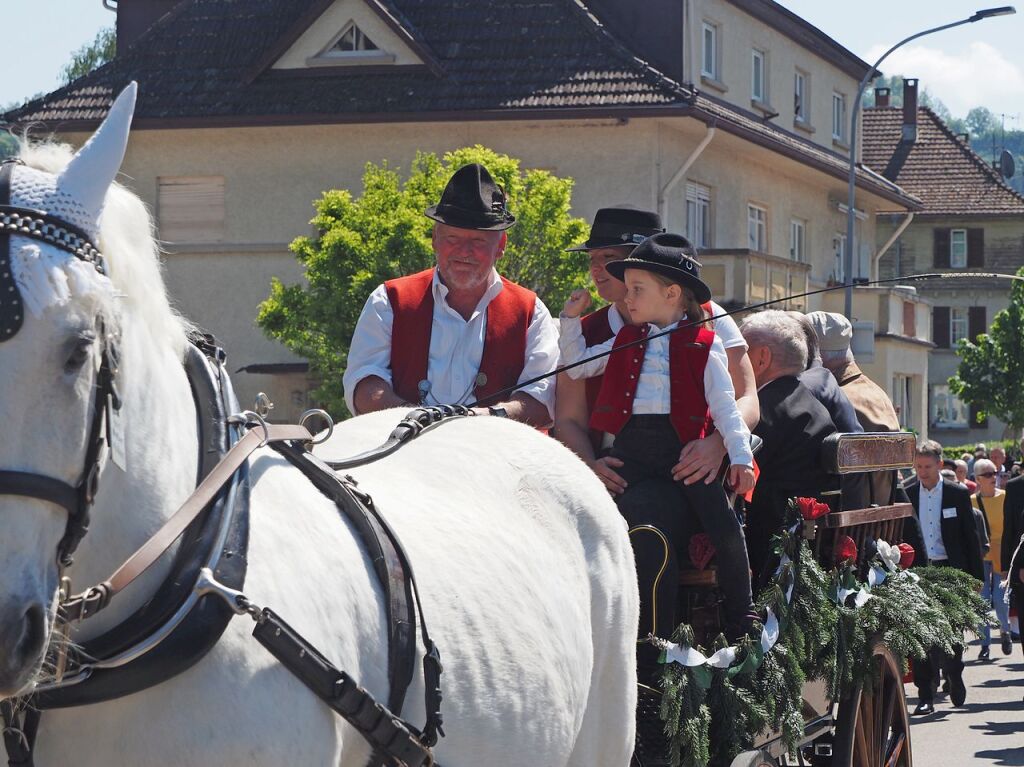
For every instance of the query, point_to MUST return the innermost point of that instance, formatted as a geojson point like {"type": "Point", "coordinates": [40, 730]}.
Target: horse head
{"type": "Point", "coordinates": [61, 312]}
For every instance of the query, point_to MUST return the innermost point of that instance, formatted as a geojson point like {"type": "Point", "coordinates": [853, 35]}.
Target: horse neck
{"type": "Point", "coordinates": [160, 434]}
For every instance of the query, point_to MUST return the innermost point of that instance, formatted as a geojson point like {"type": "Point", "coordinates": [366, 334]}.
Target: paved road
{"type": "Point", "coordinates": [988, 729]}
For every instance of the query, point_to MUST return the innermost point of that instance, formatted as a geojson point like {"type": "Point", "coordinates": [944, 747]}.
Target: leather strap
{"type": "Point", "coordinates": [95, 598]}
{"type": "Point", "coordinates": [12, 310]}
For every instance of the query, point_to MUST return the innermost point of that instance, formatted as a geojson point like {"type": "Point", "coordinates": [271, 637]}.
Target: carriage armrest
{"type": "Point", "coordinates": [850, 453]}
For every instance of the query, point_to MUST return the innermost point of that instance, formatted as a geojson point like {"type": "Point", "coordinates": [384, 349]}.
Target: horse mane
{"type": "Point", "coordinates": [129, 246]}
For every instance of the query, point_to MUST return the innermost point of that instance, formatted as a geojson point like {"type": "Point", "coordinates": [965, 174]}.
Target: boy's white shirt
{"type": "Point", "coordinates": [654, 388]}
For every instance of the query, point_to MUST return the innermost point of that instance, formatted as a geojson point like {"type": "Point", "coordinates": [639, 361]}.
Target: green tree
{"type": "Point", "coordinates": [90, 56]}
{"type": "Point", "coordinates": [992, 365]}
{"type": "Point", "coordinates": [980, 121]}
{"type": "Point", "coordinates": [362, 241]}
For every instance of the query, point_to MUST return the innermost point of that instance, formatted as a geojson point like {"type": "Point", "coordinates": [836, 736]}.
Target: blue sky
{"type": "Point", "coordinates": [977, 64]}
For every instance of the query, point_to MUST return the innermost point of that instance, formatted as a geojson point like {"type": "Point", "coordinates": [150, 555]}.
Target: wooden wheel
{"type": "Point", "coordinates": [873, 729]}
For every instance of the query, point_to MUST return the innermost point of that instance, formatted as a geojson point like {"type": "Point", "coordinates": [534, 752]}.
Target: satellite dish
{"type": "Point", "coordinates": [1006, 164]}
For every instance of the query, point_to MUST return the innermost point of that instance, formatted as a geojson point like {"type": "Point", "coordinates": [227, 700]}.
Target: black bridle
{"type": "Point", "coordinates": [75, 499]}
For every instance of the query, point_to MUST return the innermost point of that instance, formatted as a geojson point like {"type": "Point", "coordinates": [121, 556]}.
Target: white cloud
{"type": "Point", "coordinates": [977, 76]}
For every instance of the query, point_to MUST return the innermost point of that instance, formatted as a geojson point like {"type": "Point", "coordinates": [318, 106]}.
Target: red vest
{"type": "Point", "coordinates": [596, 330]}
{"type": "Point", "coordinates": [688, 356]}
{"type": "Point", "coordinates": [508, 317]}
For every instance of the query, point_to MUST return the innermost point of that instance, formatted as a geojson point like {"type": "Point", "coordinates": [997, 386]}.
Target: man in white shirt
{"type": "Point", "coordinates": [945, 534]}
{"type": "Point", "coordinates": [459, 333]}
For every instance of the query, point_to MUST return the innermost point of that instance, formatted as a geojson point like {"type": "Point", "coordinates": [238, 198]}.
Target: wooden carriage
{"type": "Point", "coordinates": [862, 728]}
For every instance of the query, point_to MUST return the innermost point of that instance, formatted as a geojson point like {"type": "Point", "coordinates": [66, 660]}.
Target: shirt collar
{"type": "Point", "coordinates": [494, 287]}
{"type": "Point", "coordinates": [615, 320]}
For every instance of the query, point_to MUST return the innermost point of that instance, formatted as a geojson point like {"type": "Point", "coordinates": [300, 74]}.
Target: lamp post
{"type": "Point", "coordinates": [1005, 10]}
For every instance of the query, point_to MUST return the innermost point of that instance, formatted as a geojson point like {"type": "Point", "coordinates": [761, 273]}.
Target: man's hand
{"type": "Point", "coordinates": [700, 459]}
{"type": "Point", "coordinates": [576, 303]}
{"type": "Point", "coordinates": [741, 479]}
{"type": "Point", "coordinates": [604, 468]}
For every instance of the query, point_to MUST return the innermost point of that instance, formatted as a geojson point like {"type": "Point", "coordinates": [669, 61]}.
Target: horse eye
{"type": "Point", "coordinates": [79, 355]}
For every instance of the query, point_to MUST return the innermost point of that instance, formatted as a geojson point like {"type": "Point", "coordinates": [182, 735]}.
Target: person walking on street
{"type": "Point", "coordinates": [989, 501]}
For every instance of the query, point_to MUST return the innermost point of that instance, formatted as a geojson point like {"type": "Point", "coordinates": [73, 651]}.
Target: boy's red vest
{"type": "Point", "coordinates": [508, 318]}
{"type": "Point", "coordinates": [688, 357]}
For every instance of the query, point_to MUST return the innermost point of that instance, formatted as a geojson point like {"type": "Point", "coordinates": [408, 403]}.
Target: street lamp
{"type": "Point", "coordinates": [1005, 10]}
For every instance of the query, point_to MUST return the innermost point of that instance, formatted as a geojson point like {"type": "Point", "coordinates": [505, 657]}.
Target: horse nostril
{"type": "Point", "coordinates": [34, 633]}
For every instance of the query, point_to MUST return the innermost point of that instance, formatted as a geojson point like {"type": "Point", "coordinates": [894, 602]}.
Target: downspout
{"type": "Point", "coordinates": [679, 174]}
{"type": "Point", "coordinates": [876, 260]}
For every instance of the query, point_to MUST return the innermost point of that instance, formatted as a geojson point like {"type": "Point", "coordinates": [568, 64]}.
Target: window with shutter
{"type": "Point", "coordinates": [940, 326]}
{"type": "Point", "coordinates": [941, 251]}
{"type": "Point", "coordinates": [190, 208]}
{"type": "Point", "coordinates": [976, 324]}
{"type": "Point", "coordinates": [975, 247]}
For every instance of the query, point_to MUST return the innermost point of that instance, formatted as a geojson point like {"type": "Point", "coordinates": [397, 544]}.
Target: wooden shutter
{"type": "Point", "coordinates": [975, 248]}
{"type": "Point", "coordinates": [940, 326]}
{"type": "Point", "coordinates": [909, 323]}
{"type": "Point", "coordinates": [941, 248]}
{"type": "Point", "coordinates": [976, 323]}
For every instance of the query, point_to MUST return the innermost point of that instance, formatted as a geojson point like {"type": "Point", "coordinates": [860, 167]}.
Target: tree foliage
{"type": "Point", "coordinates": [90, 56]}
{"type": "Point", "coordinates": [362, 241]}
{"type": "Point", "coordinates": [992, 365]}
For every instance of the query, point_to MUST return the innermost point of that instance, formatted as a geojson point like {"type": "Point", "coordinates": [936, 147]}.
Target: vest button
{"type": "Point", "coordinates": [625, 412]}
{"type": "Point", "coordinates": [636, 360]}
{"type": "Point", "coordinates": [632, 376]}
{"type": "Point", "coordinates": [629, 394]}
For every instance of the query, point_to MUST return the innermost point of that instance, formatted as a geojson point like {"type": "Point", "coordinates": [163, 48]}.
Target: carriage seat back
{"type": "Point", "coordinates": [850, 453]}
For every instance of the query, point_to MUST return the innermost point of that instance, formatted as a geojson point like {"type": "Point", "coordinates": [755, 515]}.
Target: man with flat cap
{"type": "Point", "coordinates": [873, 407]}
{"type": "Point", "coordinates": [459, 332]}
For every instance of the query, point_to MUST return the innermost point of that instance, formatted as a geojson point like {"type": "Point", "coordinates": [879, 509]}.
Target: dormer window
{"type": "Point", "coordinates": [353, 40]}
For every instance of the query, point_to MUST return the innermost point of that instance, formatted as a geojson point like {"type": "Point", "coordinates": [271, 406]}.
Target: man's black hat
{"type": "Point", "coordinates": [472, 200]}
{"type": "Point", "coordinates": [618, 227]}
{"type": "Point", "coordinates": [670, 255]}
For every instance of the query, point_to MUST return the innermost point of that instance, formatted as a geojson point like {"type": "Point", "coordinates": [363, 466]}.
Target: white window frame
{"type": "Point", "coordinates": [957, 255]}
{"type": "Point", "coordinates": [956, 414]}
{"type": "Point", "coordinates": [798, 240]}
{"type": "Point", "coordinates": [698, 214]}
{"type": "Point", "coordinates": [839, 256]}
{"type": "Point", "coordinates": [758, 76]}
{"type": "Point", "coordinates": [801, 113]}
{"type": "Point", "coordinates": [757, 228]}
{"type": "Point", "coordinates": [358, 36]}
{"type": "Point", "coordinates": [959, 324]}
{"type": "Point", "coordinates": [838, 116]}
{"type": "Point", "coordinates": [903, 399]}
{"type": "Point", "coordinates": [706, 55]}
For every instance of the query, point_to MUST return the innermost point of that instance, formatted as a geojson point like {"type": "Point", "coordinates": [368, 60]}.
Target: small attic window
{"type": "Point", "coordinates": [351, 47]}
{"type": "Point", "coordinates": [353, 39]}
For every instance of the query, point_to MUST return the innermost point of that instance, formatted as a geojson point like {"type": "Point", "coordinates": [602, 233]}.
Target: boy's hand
{"type": "Point", "coordinates": [741, 479]}
{"type": "Point", "coordinates": [577, 303]}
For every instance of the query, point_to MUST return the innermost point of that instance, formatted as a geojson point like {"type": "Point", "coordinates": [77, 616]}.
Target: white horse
{"type": "Point", "coordinates": [522, 561]}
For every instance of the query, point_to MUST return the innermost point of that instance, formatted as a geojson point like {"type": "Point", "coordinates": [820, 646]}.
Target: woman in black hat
{"type": "Point", "coordinates": [656, 397]}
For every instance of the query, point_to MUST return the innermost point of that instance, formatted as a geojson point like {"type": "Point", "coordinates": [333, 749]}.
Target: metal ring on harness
{"type": "Point", "coordinates": [251, 416]}
{"type": "Point", "coordinates": [323, 414]}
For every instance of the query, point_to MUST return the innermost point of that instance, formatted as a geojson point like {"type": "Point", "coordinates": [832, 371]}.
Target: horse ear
{"type": "Point", "coordinates": [92, 170]}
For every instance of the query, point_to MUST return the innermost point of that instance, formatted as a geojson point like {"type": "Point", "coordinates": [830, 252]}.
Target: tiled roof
{"type": "Point", "coordinates": [940, 167]}
{"type": "Point", "coordinates": [204, 60]}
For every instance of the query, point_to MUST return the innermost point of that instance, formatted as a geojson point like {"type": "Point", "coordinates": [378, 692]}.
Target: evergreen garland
{"type": "Point", "coordinates": [711, 715]}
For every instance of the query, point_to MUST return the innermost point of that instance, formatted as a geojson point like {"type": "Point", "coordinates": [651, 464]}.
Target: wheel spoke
{"type": "Point", "coordinates": [891, 693]}
{"type": "Point", "coordinates": [895, 749]}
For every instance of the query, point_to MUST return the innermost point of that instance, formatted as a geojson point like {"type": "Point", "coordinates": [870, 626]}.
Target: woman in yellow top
{"type": "Point", "coordinates": [989, 500]}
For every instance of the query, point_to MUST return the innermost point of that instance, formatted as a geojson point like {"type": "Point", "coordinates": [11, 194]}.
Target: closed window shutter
{"type": "Point", "coordinates": [942, 248]}
{"type": "Point", "coordinates": [975, 247]}
{"type": "Point", "coordinates": [940, 326]}
{"type": "Point", "coordinates": [976, 324]}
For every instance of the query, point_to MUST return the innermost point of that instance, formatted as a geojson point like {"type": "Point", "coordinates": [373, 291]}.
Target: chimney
{"type": "Point", "coordinates": [882, 97]}
{"type": "Point", "coordinates": [910, 110]}
{"type": "Point", "coordinates": [134, 17]}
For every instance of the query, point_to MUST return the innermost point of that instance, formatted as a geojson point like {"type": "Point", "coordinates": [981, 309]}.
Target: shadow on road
{"type": "Point", "coordinates": [1008, 757]}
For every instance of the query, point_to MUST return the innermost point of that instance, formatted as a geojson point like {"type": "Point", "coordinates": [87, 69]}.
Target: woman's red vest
{"type": "Point", "coordinates": [688, 356]}
{"type": "Point", "coordinates": [508, 318]}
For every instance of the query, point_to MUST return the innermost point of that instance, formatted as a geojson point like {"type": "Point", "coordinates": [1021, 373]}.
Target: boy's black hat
{"type": "Point", "coordinates": [670, 255]}
{"type": "Point", "coordinates": [472, 200]}
{"type": "Point", "coordinates": [620, 227]}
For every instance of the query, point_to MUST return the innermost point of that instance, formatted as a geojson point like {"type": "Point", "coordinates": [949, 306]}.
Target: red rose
{"type": "Point", "coordinates": [701, 550]}
{"type": "Point", "coordinates": [821, 509]}
{"type": "Point", "coordinates": [906, 555]}
{"type": "Point", "coordinates": [845, 550]}
{"type": "Point", "coordinates": [810, 508]}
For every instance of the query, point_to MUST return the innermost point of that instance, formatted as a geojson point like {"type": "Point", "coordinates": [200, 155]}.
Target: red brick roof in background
{"type": "Point", "coordinates": [940, 167]}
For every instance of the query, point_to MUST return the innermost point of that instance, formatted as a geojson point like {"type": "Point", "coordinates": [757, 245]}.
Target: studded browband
{"type": "Point", "coordinates": [36, 224]}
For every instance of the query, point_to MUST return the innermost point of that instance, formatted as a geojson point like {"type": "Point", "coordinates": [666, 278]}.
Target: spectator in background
{"type": "Point", "coordinates": [989, 502]}
{"type": "Point", "coordinates": [980, 451]}
{"type": "Point", "coordinates": [998, 457]}
{"type": "Point", "coordinates": [1013, 534]}
{"type": "Point", "coordinates": [961, 476]}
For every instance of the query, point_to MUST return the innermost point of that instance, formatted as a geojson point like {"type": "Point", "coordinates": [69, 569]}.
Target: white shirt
{"type": "Point", "coordinates": [654, 386]}
{"type": "Point", "coordinates": [929, 513]}
{"type": "Point", "coordinates": [456, 348]}
{"type": "Point", "coordinates": [725, 327]}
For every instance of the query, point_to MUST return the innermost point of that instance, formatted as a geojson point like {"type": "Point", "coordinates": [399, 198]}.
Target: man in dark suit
{"type": "Point", "coordinates": [793, 426]}
{"type": "Point", "coordinates": [945, 535]}
{"type": "Point", "coordinates": [1013, 529]}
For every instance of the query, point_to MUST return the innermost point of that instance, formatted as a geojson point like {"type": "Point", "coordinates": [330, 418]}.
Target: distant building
{"type": "Point", "coordinates": [971, 220]}
{"type": "Point", "coordinates": [730, 117]}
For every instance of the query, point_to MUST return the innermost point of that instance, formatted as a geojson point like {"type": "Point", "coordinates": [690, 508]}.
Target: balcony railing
{"type": "Point", "coordinates": [743, 276]}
